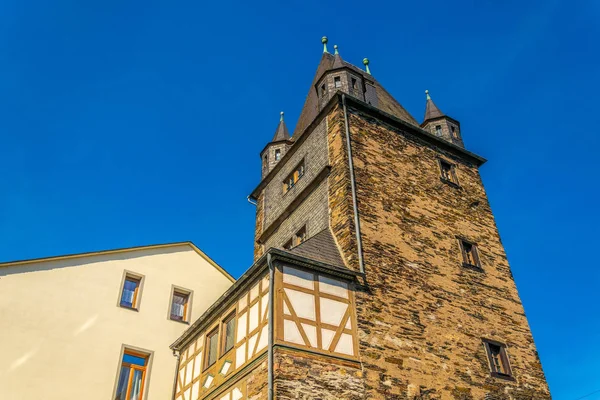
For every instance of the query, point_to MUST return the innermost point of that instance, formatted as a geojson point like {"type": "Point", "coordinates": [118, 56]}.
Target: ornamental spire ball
{"type": "Point", "coordinates": [324, 40]}
{"type": "Point", "coordinates": [427, 94]}
{"type": "Point", "coordinates": [366, 63]}
{"type": "Point", "coordinates": [281, 116]}
{"type": "Point", "coordinates": [336, 49]}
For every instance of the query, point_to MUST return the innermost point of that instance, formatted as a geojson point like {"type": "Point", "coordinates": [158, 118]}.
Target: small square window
{"type": "Point", "coordinates": [212, 347]}
{"type": "Point", "coordinates": [447, 172]}
{"type": "Point", "coordinates": [277, 155]}
{"type": "Point", "coordinates": [470, 254]}
{"type": "Point", "coordinates": [179, 305]}
{"type": "Point", "coordinates": [228, 333]}
{"type": "Point", "coordinates": [337, 82]}
{"type": "Point", "coordinates": [438, 130]}
{"type": "Point", "coordinates": [498, 359]}
{"type": "Point", "coordinates": [131, 291]}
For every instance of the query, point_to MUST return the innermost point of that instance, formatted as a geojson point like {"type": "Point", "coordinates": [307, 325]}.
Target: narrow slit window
{"type": "Point", "coordinates": [293, 178]}
{"type": "Point", "coordinates": [337, 82]}
{"type": "Point", "coordinates": [323, 90]}
{"type": "Point", "coordinates": [277, 155]}
{"type": "Point", "coordinates": [470, 254]}
{"type": "Point", "coordinates": [211, 346]}
{"type": "Point", "coordinates": [179, 306]}
{"type": "Point", "coordinates": [438, 130]}
{"type": "Point", "coordinates": [228, 333]}
{"type": "Point", "coordinates": [447, 172]}
{"type": "Point", "coordinates": [454, 132]}
{"type": "Point", "coordinates": [300, 236]}
{"type": "Point", "coordinates": [353, 83]}
{"type": "Point", "coordinates": [497, 358]}
{"type": "Point", "coordinates": [131, 292]}
{"type": "Point", "coordinates": [132, 376]}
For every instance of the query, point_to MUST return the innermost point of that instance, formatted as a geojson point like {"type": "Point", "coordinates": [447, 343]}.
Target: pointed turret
{"type": "Point", "coordinates": [276, 148]}
{"type": "Point", "coordinates": [439, 124]}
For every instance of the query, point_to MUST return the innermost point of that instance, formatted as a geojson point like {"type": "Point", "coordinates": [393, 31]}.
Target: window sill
{"type": "Point", "coordinates": [180, 321]}
{"type": "Point", "coordinates": [453, 184]}
{"type": "Point", "coordinates": [473, 267]}
{"type": "Point", "coordinates": [503, 376]}
{"type": "Point", "coordinates": [129, 308]}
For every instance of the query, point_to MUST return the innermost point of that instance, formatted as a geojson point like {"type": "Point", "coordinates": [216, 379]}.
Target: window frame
{"type": "Point", "coordinates": [211, 333]}
{"type": "Point", "coordinates": [475, 251]}
{"type": "Point", "coordinates": [137, 352]}
{"type": "Point", "coordinates": [337, 82]}
{"type": "Point", "coordinates": [187, 308]}
{"type": "Point", "coordinates": [137, 299]}
{"type": "Point", "coordinates": [438, 132]}
{"type": "Point", "coordinates": [504, 360]}
{"type": "Point", "coordinates": [296, 237]}
{"type": "Point", "coordinates": [232, 316]}
{"type": "Point", "coordinates": [299, 169]}
{"type": "Point", "coordinates": [277, 154]}
{"type": "Point", "coordinates": [454, 178]}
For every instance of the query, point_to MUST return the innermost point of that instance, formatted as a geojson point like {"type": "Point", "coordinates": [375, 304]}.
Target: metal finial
{"type": "Point", "coordinates": [335, 48]}
{"type": "Point", "coordinates": [427, 94]}
{"type": "Point", "coordinates": [366, 63]}
{"type": "Point", "coordinates": [324, 40]}
{"type": "Point", "coordinates": [281, 116]}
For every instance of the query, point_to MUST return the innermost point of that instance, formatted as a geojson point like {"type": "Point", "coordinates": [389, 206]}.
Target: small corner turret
{"type": "Point", "coordinates": [276, 148]}
{"type": "Point", "coordinates": [439, 124]}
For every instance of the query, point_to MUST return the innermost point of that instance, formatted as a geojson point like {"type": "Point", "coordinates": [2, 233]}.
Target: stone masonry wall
{"type": "Point", "coordinates": [422, 315]}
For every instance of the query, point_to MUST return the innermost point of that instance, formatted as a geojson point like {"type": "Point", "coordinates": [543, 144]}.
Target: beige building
{"type": "Point", "coordinates": [99, 325]}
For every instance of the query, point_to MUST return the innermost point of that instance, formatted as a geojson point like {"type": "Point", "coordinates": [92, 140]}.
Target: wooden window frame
{"type": "Point", "coordinates": [187, 312]}
{"type": "Point", "coordinates": [454, 179]}
{"type": "Point", "coordinates": [475, 251]}
{"type": "Point", "coordinates": [503, 359]}
{"type": "Point", "coordinates": [137, 295]}
{"type": "Point", "coordinates": [205, 363]}
{"type": "Point", "coordinates": [231, 316]}
{"type": "Point", "coordinates": [137, 352]}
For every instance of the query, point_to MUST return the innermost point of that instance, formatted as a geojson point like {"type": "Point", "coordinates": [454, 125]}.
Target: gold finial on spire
{"type": "Point", "coordinates": [281, 116]}
{"type": "Point", "coordinates": [324, 40]}
{"type": "Point", "coordinates": [366, 63]}
{"type": "Point", "coordinates": [336, 49]}
{"type": "Point", "coordinates": [427, 94]}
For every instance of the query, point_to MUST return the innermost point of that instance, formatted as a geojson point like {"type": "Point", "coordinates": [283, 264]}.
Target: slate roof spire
{"type": "Point", "coordinates": [282, 132]}
{"type": "Point", "coordinates": [337, 59]}
{"type": "Point", "coordinates": [431, 110]}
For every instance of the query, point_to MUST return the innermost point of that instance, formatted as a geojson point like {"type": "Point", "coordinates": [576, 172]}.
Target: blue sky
{"type": "Point", "coordinates": [132, 123]}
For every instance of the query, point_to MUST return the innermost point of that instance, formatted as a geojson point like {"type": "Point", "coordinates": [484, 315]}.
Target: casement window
{"type": "Point", "coordinates": [498, 359]}
{"type": "Point", "coordinates": [470, 254]}
{"type": "Point", "coordinates": [228, 333]}
{"type": "Point", "coordinates": [293, 178]}
{"type": "Point", "coordinates": [337, 82]}
{"type": "Point", "coordinates": [277, 154]}
{"type": "Point", "coordinates": [447, 172]}
{"type": "Point", "coordinates": [180, 300]}
{"type": "Point", "coordinates": [132, 376]}
{"type": "Point", "coordinates": [212, 347]}
{"type": "Point", "coordinates": [130, 293]}
{"type": "Point", "coordinates": [438, 130]}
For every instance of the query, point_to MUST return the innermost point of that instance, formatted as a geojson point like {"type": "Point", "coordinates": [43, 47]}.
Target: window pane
{"type": "Point", "coordinates": [229, 334]}
{"type": "Point", "coordinates": [178, 306]}
{"type": "Point", "coordinates": [122, 385]}
{"type": "Point", "coordinates": [136, 385]}
{"type": "Point", "coordinates": [212, 348]}
{"type": "Point", "coordinates": [129, 288]}
{"type": "Point", "coordinates": [131, 359]}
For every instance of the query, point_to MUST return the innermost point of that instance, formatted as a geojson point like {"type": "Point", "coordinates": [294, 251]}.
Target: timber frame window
{"type": "Point", "coordinates": [132, 375]}
{"type": "Point", "coordinates": [228, 333]}
{"type": "Point", "coordinates": [212, 347]}
{"type": "Point", "coordinates": [179, 307]}
{"type": "Point", "coordinates": [470, 254]}
{"type": "Point", "coordinates": [498, 359]}
{"type": "Point", "coordinates": [448, 172]}
{"type": "Point", "coordinates": [293, 178]}
{"type": "Point", "coordinates": [131, 291]}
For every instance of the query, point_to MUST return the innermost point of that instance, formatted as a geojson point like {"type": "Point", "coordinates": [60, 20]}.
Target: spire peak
{"type": "Point", "coordinates": [431, 110]}
{"type": "Point", "coordinates": [282, 132]}
{"type": "Point", "coordinates": [366, 64]}
{"type": "Point", "coordinates": [281, 116]}
{"type": "Point", "coordinates": [427, 94]}
{"type": "Point", "coordinates": [324, 40]}
{"type": "Point", "coordinates": [335, 47]}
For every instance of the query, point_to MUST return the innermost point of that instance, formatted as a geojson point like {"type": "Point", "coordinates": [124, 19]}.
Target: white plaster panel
{"type": "Point", "coordinates": [291, 333]}
{"type": "Point", "coordinates": [264, 338]}
{"type": "Point", "coordinates": [240, 355]}
{"type": "Point", "coordinates": [226, 397]}
{"type": "Point", "coordinates": [265, 283]}
{"type": "Point", "coordinates": [253, 318]}
{"type": "Point", "coordinates": [241, 326]}
{"type": "Point", "coordinates": [264, 303]}
{"type": "Point", "coordinates": [251, 344]}
{"type": "Point", "coordinates": [236, 394]}
{"type": "Point", "coordinates": [311, 334]}
{"type": "Point", "coordinates": [333, 287]}
{"type": "Point", "coordinates": [243, 302]}
{"type": "Point", "coordinates": [298, 277]}
{"type": "Point", "coordinates": [345, 345]}
{"type": "Point", "coordinates": [195, 390]}
{"type": "Point", "coordinates": [254, 292]}
{"type": "Point", "coordinates": [302, 303]}
{"type": "Point", "coordinates": [286, 310]}
{"type": "Point", "coordinates": [188, 373]}
{"type": "Point", "coordinates": [326, 338]}
{"type": "Point", "coordinates": [332, 311]}
{"type": "Point", "coordinates": [197, 365]}
{"type": "Point", "coordinates": [349, 323]}
{"type": "Point", "coordinates": [187, 394]}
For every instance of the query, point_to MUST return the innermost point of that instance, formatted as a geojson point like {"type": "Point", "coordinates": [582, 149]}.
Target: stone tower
{"type": "Point", "coordinates": [379, 272]}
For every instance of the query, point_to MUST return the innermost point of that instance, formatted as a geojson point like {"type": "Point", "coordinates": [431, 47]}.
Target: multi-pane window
{"type": "Point", "coordinates": [212, 347]}
{"type": "Point", "coordinates": [438, 130]}
{"type": "Point", "coordinates": [498, 358]}
{"type": "Point", "coordinates": [131, 291]}
{"type": "Point", "coordinates": [179, 305]}
{"type": "Point", "coordinates": [228, 333]}
{"type": "Point", "coordinates": [293, 178]}
{"type": "Point", "coordinates": [447, 172]}
{"type": "Point", "coordinates": [470, 254]}
{"type": "Point", "coordinates": [277, 154]}
{"type": "Point", "coordinates": [337, 82]}
{"type": "Point", "coordinates": [132, 376]}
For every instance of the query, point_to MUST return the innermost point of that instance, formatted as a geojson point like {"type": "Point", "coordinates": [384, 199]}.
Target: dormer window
{"type": "Point", "coordinates": [293, 178]}
{"type": "Point", "coordinates": [438, 130]}
{"type": "Point", "coordinates": [337, 82]}
{"type": "Point", "coordinates": [277, 155]}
